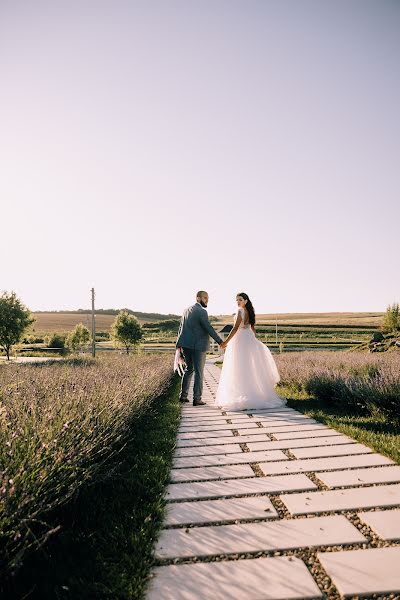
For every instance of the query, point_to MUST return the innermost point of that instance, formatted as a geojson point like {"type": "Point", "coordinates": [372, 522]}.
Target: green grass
{"type": "Point", "coordinates": [104, 548]}
{"type": "Point", "coordinates": [377, 431]}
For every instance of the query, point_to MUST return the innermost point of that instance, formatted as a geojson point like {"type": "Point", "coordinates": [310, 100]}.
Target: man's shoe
{"type": "Point", "coordinates": [183, 399]}
{"type": "Point", "coordinates": [199, 403]}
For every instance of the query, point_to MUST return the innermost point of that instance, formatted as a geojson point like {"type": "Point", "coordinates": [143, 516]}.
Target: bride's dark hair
{"type": "Point", "coordinates": [249, 306]}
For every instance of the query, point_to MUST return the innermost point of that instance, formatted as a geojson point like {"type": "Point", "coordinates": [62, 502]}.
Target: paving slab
{"type": "Point", "coordinates": [355, 572]}
{"type": "Point", "coordinates": [198, 415]}
{"type": "Point", "coordinates": [202, 421]}
{"type": "Point", "coordinates": [238, 487]}
{"type": "Point", "coordinates": [316, 431]}
{"type": "Point", "coordinates": [278, 578]}
{"type": "Point", "coordinates": [256, 537]}
{"type": "Point", "coordinates": [295, 425]}
{"type": "Point", "coordinates": [332, 450]}
{"type": "Point", "coordinates": [221, 426]}
{"type": "Point", "coordinates": [385, 523]}
{"type": "Point", "coordinates": [229, 459]}
{"type": "Point", "coordinates": [294, 428]}
{"type": "Point", "coordinates": [208, 473]}
{"type": "Point", "coordinates": [257, 436]}
{"type": "Point", "coordinates": [200, 429]}
{"type": "Point", "coordinates": [268, 411]}
{"type": "Point", "coordinates": [349, 499]}
{"type": "Point", "coordinates": [299, 443]}
{"type": "Point", "coordinates": [335, 479]}
{"type": "Point", "coordinates": [209, 441]}
{"type": "Point", "coordinates": [250, 430]}
{"type": "Point", "coordinates": [207, 450]}
{"type": "Point", "coordinates": [325, 464]}
{"type": "Point", "coordinates": [206, 413]}
{"type": "Point", "coordinates": [290, 418]}
{"type": "Point", "coordinates": [203, 435]}
{"type": "Point", "coordinates": [277, 414]}
{"type": "Point", "coordinates": [226, 509]}
{"type": "Point", "coordinates": [190, 411]}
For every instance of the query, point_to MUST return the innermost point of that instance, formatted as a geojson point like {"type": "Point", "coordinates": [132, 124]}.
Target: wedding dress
{"type": "Point", "coordinates": [249, 373]}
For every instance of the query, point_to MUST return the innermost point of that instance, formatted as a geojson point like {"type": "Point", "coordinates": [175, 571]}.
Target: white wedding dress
{"type": "Point", "coordinates": [249, 373]}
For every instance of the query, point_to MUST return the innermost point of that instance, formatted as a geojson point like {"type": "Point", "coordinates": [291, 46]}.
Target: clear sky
{"type": "Point", "coordinates": [153, 148]}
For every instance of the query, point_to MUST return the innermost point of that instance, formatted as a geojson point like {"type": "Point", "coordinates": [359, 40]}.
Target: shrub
{"type": "Point", "coordinates": [78, 338]}
{"type": "Point", "coordinates": [55, 340]}
{"type": "Point", "coordinates": [391, 319]}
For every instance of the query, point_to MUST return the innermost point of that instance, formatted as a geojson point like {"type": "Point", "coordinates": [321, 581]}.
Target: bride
{"type": "Point", "coordinates": [249, 373]}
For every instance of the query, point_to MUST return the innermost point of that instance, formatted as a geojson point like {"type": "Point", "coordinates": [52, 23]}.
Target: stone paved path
{"type": "Point", "coordinates": [270, 504]}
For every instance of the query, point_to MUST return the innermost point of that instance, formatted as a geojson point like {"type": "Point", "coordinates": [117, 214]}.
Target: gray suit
{"type": "Point", "coordinates": [193, 338]}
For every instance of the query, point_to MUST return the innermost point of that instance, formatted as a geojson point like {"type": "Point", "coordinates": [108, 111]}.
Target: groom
{"type": "Point", "coordinates": [193, 340]}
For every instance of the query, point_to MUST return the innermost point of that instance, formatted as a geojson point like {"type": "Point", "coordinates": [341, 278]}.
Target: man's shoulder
{"type": "Point", "coordinates": [190, 309]}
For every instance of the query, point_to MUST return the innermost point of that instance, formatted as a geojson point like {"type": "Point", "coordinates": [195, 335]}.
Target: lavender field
{"type": "Point", "coordinates": [61, 425]}
{"type": "Point", "coordinates": [368, 382]}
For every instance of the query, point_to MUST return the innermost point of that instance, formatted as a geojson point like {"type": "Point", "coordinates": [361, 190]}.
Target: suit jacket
{"type": "Point", "coordinates": [195, 329]}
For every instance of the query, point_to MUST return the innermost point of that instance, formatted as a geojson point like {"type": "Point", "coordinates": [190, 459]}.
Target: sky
{"type": "Point", "coordinates": [154, 148]}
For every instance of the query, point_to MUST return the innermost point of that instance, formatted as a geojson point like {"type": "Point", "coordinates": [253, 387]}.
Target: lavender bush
{"type": "Point", "coordinates": [60, 424]}
{"type": "Point", "coordinates": [369, 382]}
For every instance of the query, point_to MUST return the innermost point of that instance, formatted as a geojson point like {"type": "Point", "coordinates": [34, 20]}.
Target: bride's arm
{"type": "Point", "coordinates": [235, 328]}
{"type": "Point", "coordinates": [254, 331]}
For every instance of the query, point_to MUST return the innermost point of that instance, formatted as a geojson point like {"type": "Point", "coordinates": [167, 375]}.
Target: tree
{"type": "Point", "coordinates": [391, 319]}
{"type": "Point", "coordinates": [15, 318]}
{"type": "Point", "coordinates": [126, 330]}
{"type": "Point", "coordinates": [78, 338]}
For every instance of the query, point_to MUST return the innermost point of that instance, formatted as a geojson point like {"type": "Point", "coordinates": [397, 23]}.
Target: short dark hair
{"type": "Point", "coordinates": [200, 293]}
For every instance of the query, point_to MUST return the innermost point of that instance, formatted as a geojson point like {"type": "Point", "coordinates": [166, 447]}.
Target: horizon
{"type": "Point", "coordinates": [181, 146]}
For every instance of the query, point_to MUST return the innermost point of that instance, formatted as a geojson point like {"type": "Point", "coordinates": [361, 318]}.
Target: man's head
{"type": "Point", "coordinates": [202, 297]}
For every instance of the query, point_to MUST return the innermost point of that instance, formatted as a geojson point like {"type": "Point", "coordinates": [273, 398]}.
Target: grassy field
{"type": "Point", "coordinates": [62, 322]}
{"type": "Point", "coordinates": [85, 447]}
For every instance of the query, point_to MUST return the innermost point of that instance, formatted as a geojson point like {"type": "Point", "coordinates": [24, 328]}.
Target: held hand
{"type": "Point", "coordinates": [223, 345]}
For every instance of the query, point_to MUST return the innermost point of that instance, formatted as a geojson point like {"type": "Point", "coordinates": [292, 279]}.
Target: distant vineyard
{"type": "Point", "coordinates": [334, 319]}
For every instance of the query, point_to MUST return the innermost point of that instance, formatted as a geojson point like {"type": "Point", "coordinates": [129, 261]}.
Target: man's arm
{"type": "Point", "coordinates": [205, 323]}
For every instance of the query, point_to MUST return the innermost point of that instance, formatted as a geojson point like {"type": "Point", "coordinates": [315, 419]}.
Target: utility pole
{"type": "Point", "coordinates": [93, 327]}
